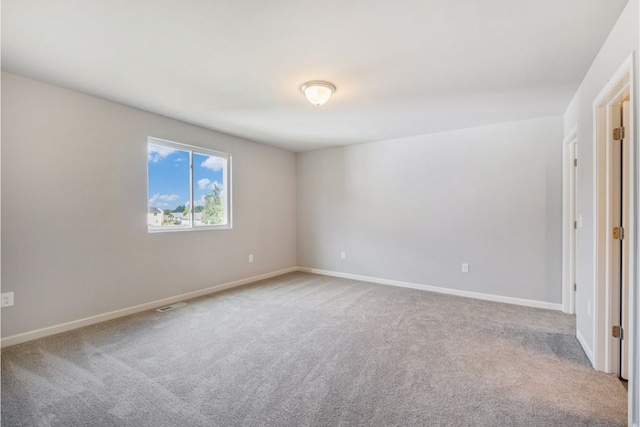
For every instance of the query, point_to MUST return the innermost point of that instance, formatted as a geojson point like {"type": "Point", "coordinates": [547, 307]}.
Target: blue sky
{"type": "Point", "coordinates": [168, 176]}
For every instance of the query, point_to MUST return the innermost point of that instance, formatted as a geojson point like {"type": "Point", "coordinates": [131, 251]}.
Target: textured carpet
{"type": "Point", "coordinates": [308, 350]}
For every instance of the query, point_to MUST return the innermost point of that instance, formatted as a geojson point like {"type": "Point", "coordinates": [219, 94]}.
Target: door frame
{"type": "Point", "coordinates": [569, 232]}
{"type": "Point", "coordinates": [621, 84]}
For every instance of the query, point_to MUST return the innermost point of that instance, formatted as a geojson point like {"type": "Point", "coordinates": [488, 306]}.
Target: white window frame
{"type": "Point", "coordinates": [226, 177]}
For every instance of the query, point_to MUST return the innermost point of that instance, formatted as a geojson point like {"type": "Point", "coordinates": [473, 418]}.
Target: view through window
{"type": "Point", "coordinates": [187, 187]}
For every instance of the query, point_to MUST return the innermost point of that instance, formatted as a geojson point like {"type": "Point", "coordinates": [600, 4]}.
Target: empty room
{"type": "Point", "coordinates": [295, 213]}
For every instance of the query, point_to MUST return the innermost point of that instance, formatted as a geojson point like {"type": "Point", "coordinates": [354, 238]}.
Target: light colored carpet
{"type": "Point", "coordinates": [308, 350]}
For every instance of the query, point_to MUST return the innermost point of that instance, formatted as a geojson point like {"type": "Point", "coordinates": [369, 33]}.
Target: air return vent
{"type": "Point", "coordinates": [171, 307]}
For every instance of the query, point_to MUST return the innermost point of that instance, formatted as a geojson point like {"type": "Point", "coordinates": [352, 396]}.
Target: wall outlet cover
{"type": "Point", "coordinates": [7, 299]}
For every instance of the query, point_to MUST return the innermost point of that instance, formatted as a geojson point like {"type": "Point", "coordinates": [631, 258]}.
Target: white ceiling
{"type": "Point", "coordinates": [402, 68]}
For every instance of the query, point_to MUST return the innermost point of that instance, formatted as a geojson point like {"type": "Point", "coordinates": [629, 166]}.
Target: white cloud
{"type": "Point", "coordinates": [162, 199]}
{"type": "Point", "coordinates": [204, 183]}
{"type": "Point", "coordinates": [207, 184]}
{"type": "Point", "coordinates": [158, 152]}
{"type": "Point", "coordinates": [214, 163]}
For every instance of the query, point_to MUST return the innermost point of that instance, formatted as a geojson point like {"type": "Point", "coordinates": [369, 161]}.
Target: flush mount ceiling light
{"type": "Point", "coordinates": [318, 92]}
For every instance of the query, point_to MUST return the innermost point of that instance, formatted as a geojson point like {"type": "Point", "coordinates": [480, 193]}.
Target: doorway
{"type": "Point", "coordinates": [614, 228]}
{"type": "Point", "coordinates": [619, 202]}
{"type": "Point", "coordinates": [570, 221]}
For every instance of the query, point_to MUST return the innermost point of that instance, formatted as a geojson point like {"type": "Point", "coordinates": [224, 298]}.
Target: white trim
{"type": "Point", "coordinates": [75, 324]}
{"type": "Point", "coordinates": [569, 155]}
{"type": "Point", "coordinates": [585, 347]}
{"type": "Point", "coordinates": [440, 290]}
{"type": "Point", "coordinates": [634, 292]}
{"type": "Point", "coordinates": [187, 147]}
{"type": "Point", "coordinates": [622, 81]}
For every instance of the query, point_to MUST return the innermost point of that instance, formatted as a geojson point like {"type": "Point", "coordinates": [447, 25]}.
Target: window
{"type": "Point", "coordinates": [187, 187]}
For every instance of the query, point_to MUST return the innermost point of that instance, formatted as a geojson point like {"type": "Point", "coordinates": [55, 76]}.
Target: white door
{"type": "Point", "coordinates": [620, 261]}
{"type": "Point", "coordinates": [624, 286]}
{"type": "Point", "coordinates": [573, 207]}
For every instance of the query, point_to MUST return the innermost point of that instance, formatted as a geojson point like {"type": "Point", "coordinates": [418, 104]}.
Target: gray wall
{"type": "Point", "coordinates": [74, 234]}
{"type": "Point", "coordinates": [622, 41]}
{"type": "Point", "coordinates": [415, 209]}
{"type": "Point", "coordinates": [74, 241]}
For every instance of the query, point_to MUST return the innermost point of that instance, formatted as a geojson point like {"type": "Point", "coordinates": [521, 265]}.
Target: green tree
{"type": "Point", "coordinates": [213, 211]}
{"type": "Point", "coordinates": [179, 208]}
{"type": "Point", "coordinates": [199, 208]}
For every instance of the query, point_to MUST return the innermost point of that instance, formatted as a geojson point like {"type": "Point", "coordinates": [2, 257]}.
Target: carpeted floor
{"type": "Point", "coordinates": [308, 350]}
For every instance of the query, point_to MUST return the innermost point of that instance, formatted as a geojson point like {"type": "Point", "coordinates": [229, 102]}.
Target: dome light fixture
{"type": "Point", "coordinates": [318, 92]}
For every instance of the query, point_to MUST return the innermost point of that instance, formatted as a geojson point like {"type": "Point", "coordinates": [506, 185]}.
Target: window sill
{"type": "Point", "coordinates": [179, 229]}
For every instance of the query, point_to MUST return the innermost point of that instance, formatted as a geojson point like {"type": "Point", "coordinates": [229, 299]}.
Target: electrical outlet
{"type": "Point", "coordinates": [250, 257]}
{"type": "Point", "coordinates": [465, 267]}
{"type": "Point", "coordinates": [343, 255]}
{"type": "Point", "coordinates": [7, 299]}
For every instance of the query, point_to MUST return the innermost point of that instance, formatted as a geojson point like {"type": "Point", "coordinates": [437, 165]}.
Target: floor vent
{"type": "Point", "coordinates": [171, 307]}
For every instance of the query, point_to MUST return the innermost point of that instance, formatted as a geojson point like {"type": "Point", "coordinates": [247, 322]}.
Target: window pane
{"type": "Point", "coordinates": [168, 187]}
{"type": "Point", "coordinates": [210, 189]}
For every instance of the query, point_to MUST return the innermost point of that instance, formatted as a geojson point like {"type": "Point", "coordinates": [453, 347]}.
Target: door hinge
{"type": "Point", "coordinates": [575, 287]}
{"type": "Point", "coordinates": [618, 133]}
{"type": "Point", "coordinates": [618, 233]}
{"type": "Point", "coordinates": [575, 225]}
{"type": "Point", "coordinates": [618, 332]}
{"type": "Point", "coordinates": [575, 162]}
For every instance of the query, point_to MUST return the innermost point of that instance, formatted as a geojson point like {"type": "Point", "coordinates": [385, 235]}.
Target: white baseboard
{"type": "Point", "coordinates": [586, 348]}
{"type": "Point", "coordinates": [75, 324]}
{"type": "Point", "coordinates": [64, 327]}
{"type": "Point", "coordinates": [440, 290]}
